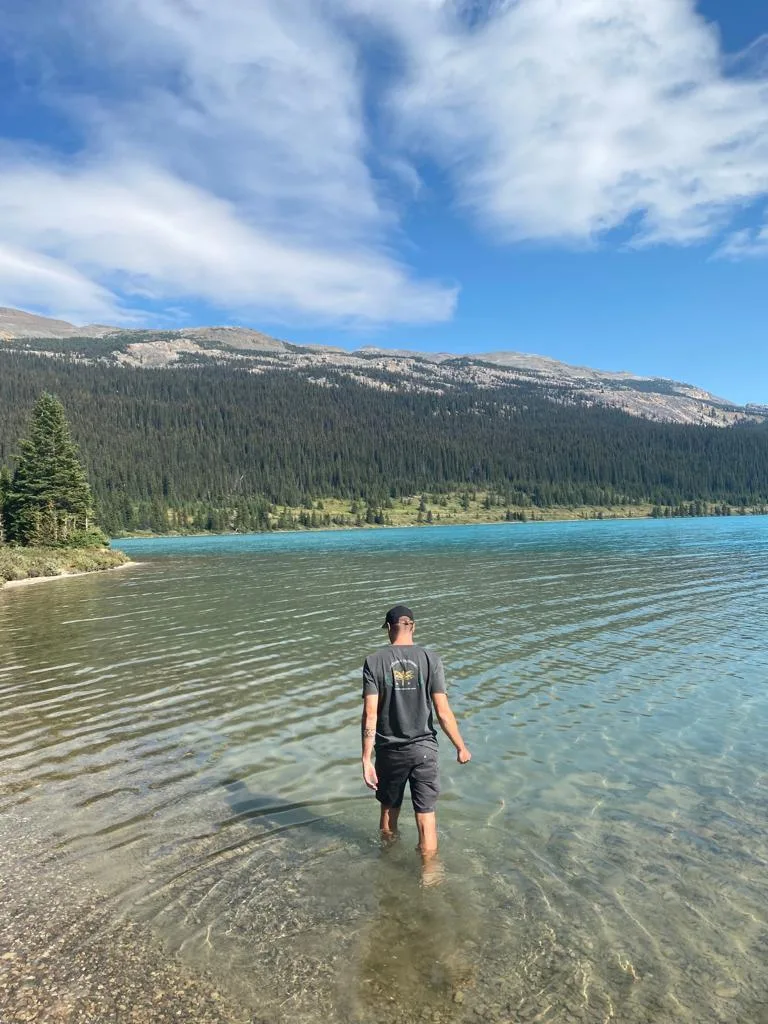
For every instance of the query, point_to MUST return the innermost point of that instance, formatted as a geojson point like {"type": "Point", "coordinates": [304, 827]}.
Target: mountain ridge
{"type": "Point", "coordinates": [655, 398]}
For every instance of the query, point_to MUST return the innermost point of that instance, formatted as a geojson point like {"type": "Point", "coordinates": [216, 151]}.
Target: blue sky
{"type": "Point", "coordinates": [587, 181]}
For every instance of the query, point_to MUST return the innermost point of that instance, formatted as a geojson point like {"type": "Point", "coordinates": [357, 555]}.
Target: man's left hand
{"type": "Point", "coordinates": [370, 777]}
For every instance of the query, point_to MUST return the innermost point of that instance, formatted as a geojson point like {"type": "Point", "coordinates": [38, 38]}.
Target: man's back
{"type": "Point", "coordinates": [404, 677]}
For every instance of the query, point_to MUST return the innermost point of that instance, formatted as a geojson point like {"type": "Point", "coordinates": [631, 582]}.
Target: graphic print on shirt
{"type": "Point", "coordinates": [405, 674]}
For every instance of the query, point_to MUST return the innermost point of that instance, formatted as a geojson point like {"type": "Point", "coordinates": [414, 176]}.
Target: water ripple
{"type": "Point", "coordinates": [191, 731]}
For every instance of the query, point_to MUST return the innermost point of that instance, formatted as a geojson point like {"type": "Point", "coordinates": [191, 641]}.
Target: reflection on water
{"type": "Point", "coordinates": [189, 732]}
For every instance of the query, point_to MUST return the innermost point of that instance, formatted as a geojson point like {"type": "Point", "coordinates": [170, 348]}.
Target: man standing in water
{"type": "Point", "coordinates": [401, 685]}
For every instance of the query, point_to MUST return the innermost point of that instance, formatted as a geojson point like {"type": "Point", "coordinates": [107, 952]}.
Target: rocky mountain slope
{"type": "Point", "coordinates": [648, 397]}
{"type": "Point", "coordinates": [15, 323]}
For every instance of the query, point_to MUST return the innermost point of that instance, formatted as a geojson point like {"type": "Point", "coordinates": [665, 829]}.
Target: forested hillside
{"type": "Point", "coordinates": [223, 437]}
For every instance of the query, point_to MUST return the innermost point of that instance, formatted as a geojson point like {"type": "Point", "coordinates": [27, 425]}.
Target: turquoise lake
{"type": "Point", "coordinates": [187, 732]}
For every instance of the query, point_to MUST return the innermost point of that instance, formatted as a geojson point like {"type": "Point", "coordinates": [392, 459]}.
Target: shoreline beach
{"type": "Point", "coordinates": [31, 580]}
{"type": "Point", "coordinates": [67, 957]}
{"type": "Point", "coordinates": [21, 566]}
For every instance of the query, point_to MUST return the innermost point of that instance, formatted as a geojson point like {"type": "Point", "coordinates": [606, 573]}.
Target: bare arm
{"type": "Point", "coordinates": [447, 721]}
{"type": "Point", "coordinates": [368, 726]}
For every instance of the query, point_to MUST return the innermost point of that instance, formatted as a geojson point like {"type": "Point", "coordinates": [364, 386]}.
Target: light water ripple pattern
{"type": "Point", "coordinates": [189, 731]}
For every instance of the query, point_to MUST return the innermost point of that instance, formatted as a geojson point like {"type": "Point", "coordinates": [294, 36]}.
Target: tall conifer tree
{"type": "Point", "coordinates": [49, 500]}
{"type": "Point", "coordinates": [5, 486]}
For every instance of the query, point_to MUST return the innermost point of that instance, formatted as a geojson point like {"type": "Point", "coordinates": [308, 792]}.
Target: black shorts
{"type": "Point", "coordinates": [415, 764]}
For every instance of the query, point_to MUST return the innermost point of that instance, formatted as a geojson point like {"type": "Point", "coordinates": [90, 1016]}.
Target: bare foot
{"type": "Point", "coordinates": [432, 872]}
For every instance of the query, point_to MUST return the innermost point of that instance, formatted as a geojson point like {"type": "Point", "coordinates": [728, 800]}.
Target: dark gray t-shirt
{"type": "Point", "coordinates": [404, 676]}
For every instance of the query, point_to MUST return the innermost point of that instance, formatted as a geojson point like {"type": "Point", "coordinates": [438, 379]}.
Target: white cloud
{"type": "Point", "coordinates": [33, 281]}
{"type": "Point", "coordinates": [745, 244]}
{"type": "Point", "coordinates": [752, 60]}
{"type": "Point", "coordinates": [145, 233]}
{"type": "Point", "coordinates": [223, 160]}
{"type": "Point", "coordinates": [249, 156]}
{"type": "Point", "coordinates": [261, 102]}
{"type": "Point", "coordinates": [561, 121]}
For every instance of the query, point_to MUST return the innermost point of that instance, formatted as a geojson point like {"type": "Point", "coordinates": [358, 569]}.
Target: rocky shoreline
{"type": "Point", "coordinates": [66, 959]}
{"type": "Point", "coordinates": [22, 566]}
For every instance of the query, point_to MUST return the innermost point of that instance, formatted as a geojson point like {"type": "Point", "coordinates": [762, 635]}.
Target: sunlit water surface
{"type": "Point", "coordinates": [189, 731]}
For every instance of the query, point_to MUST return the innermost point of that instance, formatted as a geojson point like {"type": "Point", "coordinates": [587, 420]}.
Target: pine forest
{"type": "Point", "coordinates": [223, 447]}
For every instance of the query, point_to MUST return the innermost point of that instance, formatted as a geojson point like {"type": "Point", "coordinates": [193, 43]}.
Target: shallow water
{"type": "Point", "coordinates": [187, 732]}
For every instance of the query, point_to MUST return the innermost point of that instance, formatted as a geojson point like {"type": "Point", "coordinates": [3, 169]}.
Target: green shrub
{"type": "Point", "coordinates": [91, 538]}
{"type": "Point", "coordinates": [19, 563]}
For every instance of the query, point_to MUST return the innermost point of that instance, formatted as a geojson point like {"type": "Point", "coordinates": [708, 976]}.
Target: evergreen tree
{"type": "Point", "coordinates": [49, 500]}
{"type": "Point", "coordinates": [5, 486]}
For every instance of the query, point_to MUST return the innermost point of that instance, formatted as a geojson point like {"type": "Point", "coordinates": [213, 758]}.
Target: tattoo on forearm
{"type": "Point", "coordinates": [369, 732]}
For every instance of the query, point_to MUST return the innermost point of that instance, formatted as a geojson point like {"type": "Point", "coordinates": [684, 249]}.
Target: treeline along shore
{"type": "Point", "coordinates": [221, 448]}
{"type": "Point", "coordinates": [465, 508]}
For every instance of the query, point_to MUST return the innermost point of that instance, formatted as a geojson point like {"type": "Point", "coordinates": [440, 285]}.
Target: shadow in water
{"type": "Point", "coordinates": [273, 814]}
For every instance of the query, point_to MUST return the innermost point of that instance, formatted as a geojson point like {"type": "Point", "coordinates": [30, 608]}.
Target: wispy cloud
{"type": "Point", "coordinates": [243, 155]}
{"type": "Point", "coordinates": [223, 160]}
{"type": "Point", "coordinates": [746, 243]}
{"type": "Point", "coordinates": [561, 121]}
{"type": "Point", "coordinates": [144, 233]}
{"type": "Point", "coordinates": [261, 102]}
{"type": "Point", "coordinates": [27, 277]}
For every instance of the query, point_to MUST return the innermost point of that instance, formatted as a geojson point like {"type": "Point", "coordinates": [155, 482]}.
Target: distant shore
{"type": "Point", "coordinates": [24, 566]}
{"type": "Point", "coordinates": [407, 513]}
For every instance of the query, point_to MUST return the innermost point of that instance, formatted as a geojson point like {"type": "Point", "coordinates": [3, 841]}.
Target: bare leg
{"type": "Point", "coordinates": [427, 826]}
{"type": "Point", "coordinates": [388, 822]}
{"type": "Point", "coordinates": [431, 869]}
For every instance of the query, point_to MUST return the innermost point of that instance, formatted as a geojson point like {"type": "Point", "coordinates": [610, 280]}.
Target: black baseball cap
{"type": "Point", "coordinates": [400, 611]}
